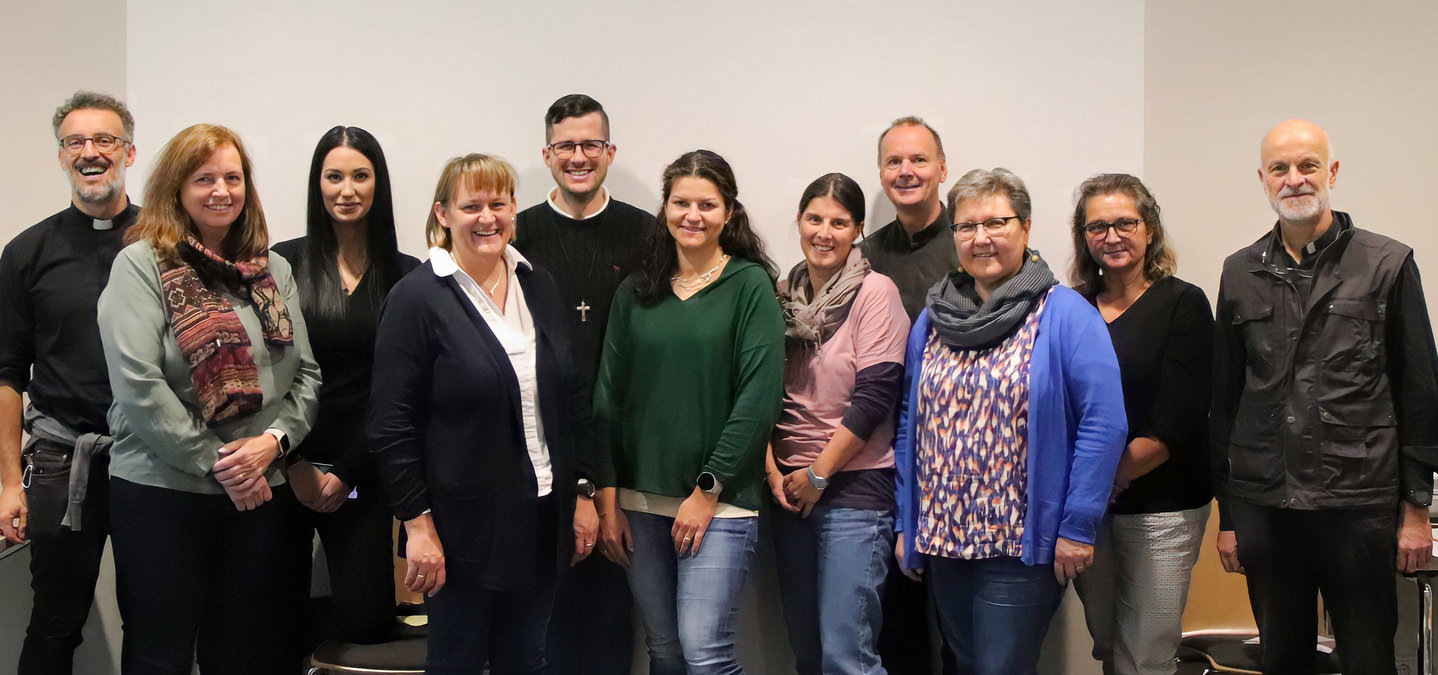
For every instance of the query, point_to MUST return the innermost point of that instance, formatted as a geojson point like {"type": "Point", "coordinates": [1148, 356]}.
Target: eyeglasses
{"type": "Point", "coordinates": [565, 149]}
{"type": "Point", "coordinates": [103, 142]}
{"type": "Point", "coordinates": [1125, 226]}
{"type": "Point", "coordinates": [993, 227]}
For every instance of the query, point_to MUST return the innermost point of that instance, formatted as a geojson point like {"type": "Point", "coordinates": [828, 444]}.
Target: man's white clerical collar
{"type": "Point", "coordinates": [555, 205]}
{"type": "Point", "coordinates": [103, 224]}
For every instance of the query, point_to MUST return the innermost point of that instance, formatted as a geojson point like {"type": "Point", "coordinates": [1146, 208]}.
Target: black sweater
{"type": "Point", "coordinates": [344, 348]}
{"type": "Point", "coordinates": [446, 427]}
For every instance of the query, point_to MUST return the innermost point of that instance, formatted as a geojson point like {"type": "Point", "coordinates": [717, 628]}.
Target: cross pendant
{"type": "Point", "coordinates": [583, 308]}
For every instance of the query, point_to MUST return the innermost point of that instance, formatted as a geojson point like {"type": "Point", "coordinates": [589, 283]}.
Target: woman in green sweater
{"type": "Point", "coordinates": [689, 388]}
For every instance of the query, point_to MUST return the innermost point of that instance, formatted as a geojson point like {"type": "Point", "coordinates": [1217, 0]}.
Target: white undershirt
{"type": "Point", "coordinates": [514, 327]}
{"type": "Point", "coordinates": [554, 194]}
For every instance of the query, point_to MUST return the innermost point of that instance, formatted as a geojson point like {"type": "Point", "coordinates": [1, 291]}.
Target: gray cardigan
{"type": "Point", "coordinates": [160, 439]}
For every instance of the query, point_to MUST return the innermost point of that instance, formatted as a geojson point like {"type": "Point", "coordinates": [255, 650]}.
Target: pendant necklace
{"type": "Point", "coordinates": [583, 306]}
{"type": "Point", "coordinates": [699, 281]}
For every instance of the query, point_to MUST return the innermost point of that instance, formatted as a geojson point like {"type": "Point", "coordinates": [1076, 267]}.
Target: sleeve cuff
{"type": "Point", "coordinates": [280, 438]}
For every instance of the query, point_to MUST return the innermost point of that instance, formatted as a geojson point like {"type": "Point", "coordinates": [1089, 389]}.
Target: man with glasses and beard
{"type": "Point", "coordinates": [1324, 419]}
{"type": "Point", "coordinates": [51, 276]}
{"type": "Point", "coordinates": [589, 242]}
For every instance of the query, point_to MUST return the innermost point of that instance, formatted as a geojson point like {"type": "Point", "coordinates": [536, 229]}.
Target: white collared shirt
{"type": "Point", "coordinates": [555, 205]}
{"type": "Point", "coordinates": [514, 327]}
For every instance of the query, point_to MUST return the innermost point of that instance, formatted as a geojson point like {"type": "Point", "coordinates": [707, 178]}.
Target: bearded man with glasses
{"type": "Point", "coordinates": [51, 276]}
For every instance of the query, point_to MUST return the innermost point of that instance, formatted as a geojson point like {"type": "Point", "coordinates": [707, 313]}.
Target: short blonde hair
{"type": "Point", "coordinates": [479, 173]}
{"type": "Point", "coordinates": [163, 221]}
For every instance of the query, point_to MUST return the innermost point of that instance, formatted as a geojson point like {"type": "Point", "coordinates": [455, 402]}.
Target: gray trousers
{"type": "Point", "coordinates": [1135, 591]}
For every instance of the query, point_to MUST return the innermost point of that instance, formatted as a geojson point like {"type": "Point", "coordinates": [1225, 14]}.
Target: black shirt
{"type": "Point", "coordinates": [51, 276]}
{"type": "Point", "coordinates": [1300, 273]}
{"type": "Point", "coordinates": [344, 348]}
{"type": "Point", "coordinates": [1164, 343]}
{"type": "Point", "coordinates": [915, 263]}
{"type": "Point", "coordinates": [587, 259]}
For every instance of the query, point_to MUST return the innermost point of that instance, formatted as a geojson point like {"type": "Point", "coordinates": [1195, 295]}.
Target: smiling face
{"type": "Point", "coordinates": [695, 213]}
{"type": "Point", "coordinates": [480, 223]}
{"type": "Point", "coordinates": [827, 232]}
{"type": "Point", "coordinates": [95, 177]}
{"type": "Point", "coordinates": [347, 185]}
{"type": "Point", "coordinates": [214, 195]}
{"type": "Point", "coordinates": [1297, 171]}
{"type": "Point", "coordinates": [579, 175]}
{"type": "Point", "coordinates": [910, 167]}
{"type": "Point", "coordinates": [991, 259]}
{"type": "Point", "coordinates": [1113, 252]}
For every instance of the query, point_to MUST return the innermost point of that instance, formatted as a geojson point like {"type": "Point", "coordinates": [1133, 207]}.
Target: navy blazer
{"type": "Point", "coordinates": [447, 431]}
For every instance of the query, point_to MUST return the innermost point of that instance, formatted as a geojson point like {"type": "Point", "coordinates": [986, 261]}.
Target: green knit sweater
{"type": "Point", "coordinates": [689, 386]}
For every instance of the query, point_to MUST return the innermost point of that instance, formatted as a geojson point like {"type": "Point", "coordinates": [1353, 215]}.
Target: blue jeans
{"type": "Point", "coordinates": [831, 568]}
{"type": "Point", "coordinates": [994, 612]}
{"type": "Point", "coordinates": [690, 606]}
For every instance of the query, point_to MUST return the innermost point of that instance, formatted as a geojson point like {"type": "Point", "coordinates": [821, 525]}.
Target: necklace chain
{"type": "Point", "coordinates": [699, 281]}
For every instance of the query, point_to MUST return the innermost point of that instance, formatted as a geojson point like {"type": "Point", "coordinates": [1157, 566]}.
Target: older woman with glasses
{"type": "Point", "coordinates": [1010, 429]}
{"type": "Point", "coordinates": [1162, 330]}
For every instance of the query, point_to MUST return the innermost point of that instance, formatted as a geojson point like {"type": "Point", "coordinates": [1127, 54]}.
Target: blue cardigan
{"type": "Point", "coordinates": [1077, 429]}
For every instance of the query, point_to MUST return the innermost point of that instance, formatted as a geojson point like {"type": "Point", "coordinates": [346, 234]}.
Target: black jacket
{"type": "Point", "coordinates": [446, 427]}
{"type": "Point", "coordinates": [1326, 401]}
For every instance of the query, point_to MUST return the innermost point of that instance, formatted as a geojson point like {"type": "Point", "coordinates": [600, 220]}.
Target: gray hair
{"type": "Point", "coordinates": [979, 183]}
{"type": "Point", "coordinates": [910, 121]}
{"type": "Point", "coordinates": [90, 100]}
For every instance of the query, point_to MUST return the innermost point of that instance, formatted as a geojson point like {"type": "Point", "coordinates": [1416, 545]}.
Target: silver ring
{"type": "Point", "coordinates": [690, 538]}
{"type": "Point", "coordinates": [419, 576]}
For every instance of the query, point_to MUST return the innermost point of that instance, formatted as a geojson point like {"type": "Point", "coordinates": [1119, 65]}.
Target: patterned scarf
{"type": "Point", "coordinates": [211, 338]}
{"type": "Point", "coordinates": [963, 321]}
{"type": "Point", "coordinates": [814, 320]}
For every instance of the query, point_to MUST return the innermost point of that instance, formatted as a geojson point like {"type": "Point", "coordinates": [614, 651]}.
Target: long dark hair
{"type": "Point", "coordinates": [661, 257]}
{"type": "Point", "coordinates": [321, 294]}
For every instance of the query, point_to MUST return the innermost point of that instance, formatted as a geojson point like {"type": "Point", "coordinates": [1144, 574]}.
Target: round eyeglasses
{"type": "Point", "coordinates": [75, 144]}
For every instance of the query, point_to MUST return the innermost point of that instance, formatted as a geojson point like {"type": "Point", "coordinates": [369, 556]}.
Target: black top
{"type": "Point", "coordinates": [51, 276]}
{"type": "Point", "coordinates": [345, 351]}
{"type": "Point", "coordinates": [447, 429]}
{"type": "Point", "coordinates": [1164, 343]}
{"type": "Point", "coordinates": [915, 263]}
{"type": "Point", "coordinates": [587, 259]}
{"type": "Point", "coordinates": [1300, 273]}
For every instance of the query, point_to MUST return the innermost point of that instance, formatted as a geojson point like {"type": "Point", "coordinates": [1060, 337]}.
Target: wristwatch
{"type": "Point", "coordinates": [282, 439]}
{"type": "Point", "coordinates": [708, 484]}
{"type": "Point", "coordinates": [815, 480]}
{"type": "Point", "coordinates": [584, 488]}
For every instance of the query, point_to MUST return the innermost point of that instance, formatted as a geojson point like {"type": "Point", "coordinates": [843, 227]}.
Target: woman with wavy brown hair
{"type": "Point", "coordinates": [214, 381]}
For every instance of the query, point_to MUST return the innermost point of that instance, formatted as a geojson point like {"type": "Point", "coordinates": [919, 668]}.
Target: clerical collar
{"type": "Point", "coordinates": [102, 224]}
{"type": "Point", "coordinates": [555, 205]}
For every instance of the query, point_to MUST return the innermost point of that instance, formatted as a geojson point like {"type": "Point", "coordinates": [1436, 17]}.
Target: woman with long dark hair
{"type": "Point", "coordinates": [689, 389]}
{"type": "Point", "coordinates": [344, 267]}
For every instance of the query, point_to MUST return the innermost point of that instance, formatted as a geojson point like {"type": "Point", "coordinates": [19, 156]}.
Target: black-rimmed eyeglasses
{"type": "Point", "coordinates": [565, 149]}
{"type": "Point", "coordinates": [75, 144]}
{"type": "Point", "coordinates": [1125, 227]}
{"type": "Point", "coordinates": [993, 227]}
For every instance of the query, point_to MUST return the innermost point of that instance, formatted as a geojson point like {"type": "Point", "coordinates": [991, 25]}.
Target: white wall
{"type": "Point", "coordinates": [785, 91]}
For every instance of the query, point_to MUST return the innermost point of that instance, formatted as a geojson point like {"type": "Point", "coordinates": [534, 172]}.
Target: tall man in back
{"type": "Point", "coordinates": [1325, 417]}
{"type": "Point", "coordinates": [589, 242]}
{"type": "Point", "coordinates": [916, 251]}
{"type": "Point", "coordinates": [55, 492]}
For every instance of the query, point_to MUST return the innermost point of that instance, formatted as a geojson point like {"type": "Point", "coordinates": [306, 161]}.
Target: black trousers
{"type": "Point", "coordinates": [63, 563]}
{"type": "Point", "coordinates": [592, 630]}
{"type": "Point", "coordinates": [1348, 555]}
{"type": "Point", "coordinates": [910, 640]}
{"type": "Point", "coordinates": [198, 580]}
{"type": "Point", "coordinates": [359, 554]}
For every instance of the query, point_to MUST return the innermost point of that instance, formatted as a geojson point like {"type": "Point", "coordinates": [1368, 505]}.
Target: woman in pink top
{"type": "Point", "coordinates": [831, 463]}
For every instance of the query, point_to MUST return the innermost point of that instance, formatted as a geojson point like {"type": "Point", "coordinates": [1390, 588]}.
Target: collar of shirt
{"type": "Point", "coordinates": [125, 217]}
{"type": "Point", "coordinates": [555, 205]}
{"type": "Point", "coordinates": [921, 238]}
{"type": "Point", "coordinates": [444, 264]}
{"type": "Point", "coordinates": [1277, 251]}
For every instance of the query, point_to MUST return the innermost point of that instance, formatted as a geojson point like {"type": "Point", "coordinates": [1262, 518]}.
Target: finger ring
{"type": "Point", "coordinates": [589, 544]}
{"type": "Point", "coordinates": [419, 576]}
{"type": "Point", "coordinates": [690, 538]}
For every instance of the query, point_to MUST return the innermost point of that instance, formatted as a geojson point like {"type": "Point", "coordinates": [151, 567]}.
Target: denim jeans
{"type": "Point", "coordinates": [690, 606]}
{"type": "Point", "coordinates": [831, 568]}
{"type": "Point", "coordinates": [994, 612]}
{"type": "Point", "coordinates": [64, 564]}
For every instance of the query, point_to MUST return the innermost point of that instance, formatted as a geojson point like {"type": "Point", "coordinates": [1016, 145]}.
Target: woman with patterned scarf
{"type": "Point", "coordinates": [1011, 426]}
{"type": "Point", "coordinates": [214, 380]}
{"type": "Point", "coordinates": [831, 462]}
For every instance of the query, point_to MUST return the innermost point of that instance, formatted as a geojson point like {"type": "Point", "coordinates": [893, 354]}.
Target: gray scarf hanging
{"type": "Point", "coordinates": [815, 320]}
{"type": "Point", "coordinates": [964, 321]}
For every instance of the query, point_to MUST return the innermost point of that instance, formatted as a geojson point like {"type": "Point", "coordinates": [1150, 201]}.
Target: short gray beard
{"type": "Point", "coordinates": [102, 193]}
{"type": "Point", "coordinates": [1289, 212]}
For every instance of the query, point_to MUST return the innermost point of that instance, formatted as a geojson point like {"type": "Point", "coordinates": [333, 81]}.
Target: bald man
{"type": "Point", "coordinates": [1325, 417]}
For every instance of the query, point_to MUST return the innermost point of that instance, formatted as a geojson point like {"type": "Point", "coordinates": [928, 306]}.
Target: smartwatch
{"type": "Point", "coordinates": [708, 484]}
{"type": "Point", "coordinates": [818, 482]}
{"type": "Point", "coordinates": [584, 488]}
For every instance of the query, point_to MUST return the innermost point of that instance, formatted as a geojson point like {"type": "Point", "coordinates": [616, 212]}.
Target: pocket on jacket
{"type": "Point", "coordinates": [1353, 336]}
{"type": "Point", "coordinates": [1254, 319]}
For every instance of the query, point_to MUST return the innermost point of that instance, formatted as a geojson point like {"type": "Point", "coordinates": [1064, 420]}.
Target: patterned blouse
{"type": "Point", "coordinates": [973, 407]}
